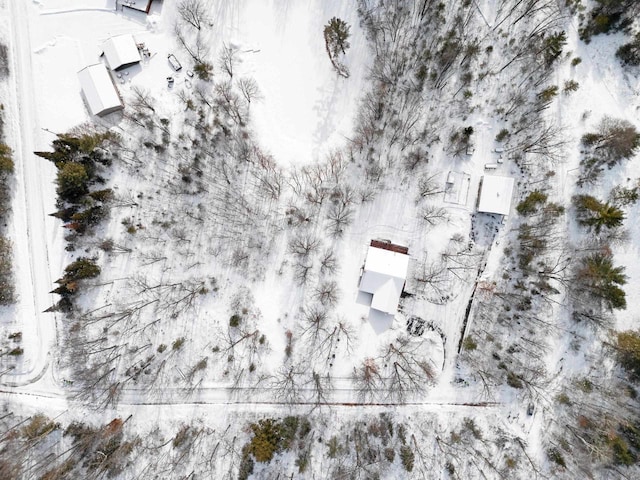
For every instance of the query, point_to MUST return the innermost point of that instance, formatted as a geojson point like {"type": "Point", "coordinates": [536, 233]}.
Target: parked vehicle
{"type": "Point", "coordinates": [173, 61]}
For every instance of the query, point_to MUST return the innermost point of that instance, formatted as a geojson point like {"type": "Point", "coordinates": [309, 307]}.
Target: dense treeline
{"type": "Point", "coordinates": [81, 160]}
{"type": "Point", "coordinates": [7, 288]}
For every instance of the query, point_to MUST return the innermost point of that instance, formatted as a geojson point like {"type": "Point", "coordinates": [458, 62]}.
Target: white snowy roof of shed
{"type": "Point", "coordinates": [121, 50]}
{"type": "Point", "coordinates": [98, 89]}
{"type": "Point", "coordinates": [495, 195]}
{"type": "Point", "coordinates": [384, 276]}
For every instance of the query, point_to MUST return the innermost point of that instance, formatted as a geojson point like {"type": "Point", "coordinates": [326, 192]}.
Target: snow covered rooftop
{"type": "Point", "coordinates": [121, 51]}
{"type": "Point", "coordinates": [495, 194]}
{"type": "Point", "coordinates": [99, 90]}
{"type": "Point", "coordinates": [385, 272]}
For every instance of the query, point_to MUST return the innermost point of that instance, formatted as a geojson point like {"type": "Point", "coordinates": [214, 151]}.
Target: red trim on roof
{"type": "Point", "coordinates": [390, 246]}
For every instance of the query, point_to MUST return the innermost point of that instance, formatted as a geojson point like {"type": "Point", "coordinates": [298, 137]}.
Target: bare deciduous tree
{"type": "Point", "coordinates": [434, 214]}
{"type": "Point", "coordinates": [269, 175]}
{"type": "Point", "coordinates": [327, 293]}
{"type": "Point", "coordinates": [339, 216]}
{"type": "Point", "coordinates": [433, 278]}
{"type": "Point", "coordinates": [408, 371]}
{"type": "Point", "coordinates": [302, 270]}
{"type": "Point", "coordinates": [228, 59]}
{"type": "Point", "coordinates": [313, 322]}
{"type": "Point", "coordinates": [315, 177]}
{"type": "Point", "coordinates": [193, 12]}
{"type": "Point", "coordinates": [249, 89]}
{"type": "Point", "coordinates": [429, 186]}
{"type": "Point", "coordinates": [368, 380]}
{"type": "Point", "coordinates": [303, 245]}
{"type": "Point", "coordinates": [198, 50]}
{"type": "Point", "coordinates": [287, 384]}
{"type": "Point", "coordinates": [340, 334]}
{"type": "Point", "coordinates": [321, 386]}
{"type": "Point", "coordinates": [229, 101]}
{"type": "Point", "coordinates": [328, 262]}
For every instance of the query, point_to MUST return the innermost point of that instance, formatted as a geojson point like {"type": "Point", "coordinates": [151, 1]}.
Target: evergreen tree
{"type": "Point", "coordinates": [628, 352]}
{"type": "Point", "coordinates": [336, 34]}
{"type": "Point", "coordinates": [553, 46]}
{"type": "Point", "coordinates": [266, 440]}
{"type": "Point", "coordinates": [80, 269]}
{"type": "Point", "coordinates": [629, 53]}
{"type": "Point", "coordinates": [72, 181]}
{"type": "Point", "coordinates": [608, 216]}
{"type": "Point", "coordinates": [530, 204]}
{"type": "Point", "coordinates": [596, 214]}
{"type": "Point", "coordinates": [597, 276]}
{"type": "Point", "coordinates": [6, 163]}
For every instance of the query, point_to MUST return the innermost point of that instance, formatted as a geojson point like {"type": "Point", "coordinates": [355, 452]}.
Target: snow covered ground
{"type": "Point", "coordinates": [306, 108]}
{"type": "Point", "coordinates": [167, 232]}
{"type": "Point", "coordinates": [34, 234]}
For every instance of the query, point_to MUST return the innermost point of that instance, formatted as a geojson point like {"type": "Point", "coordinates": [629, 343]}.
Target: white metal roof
{"type": "Point", "coordinates": [496, 194]}
{"type": "Point", "coordinates": [99, 90]}
{"type": "Point", "coordinates": [121, 50]}
{"type": "Point", "coordinates": [387, 262]}
{"type": "Point", "coordinates": [384, 276]}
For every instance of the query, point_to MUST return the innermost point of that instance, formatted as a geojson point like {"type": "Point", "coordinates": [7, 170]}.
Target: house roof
{"type": "Point", "coordinates": [385, 272]}
{"type": "Point", "coordinates": [386, 262]}
{"type": "Point", "coordinates": [121, 51]}
{"type": "Point", "coordinates": [99, 90]}
{"type": "Point", "coordinates": [495, 194]}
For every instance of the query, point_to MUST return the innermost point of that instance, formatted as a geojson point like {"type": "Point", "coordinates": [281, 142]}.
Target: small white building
{"type": "Point", "coordinates": [121, 51]}
{"type": "Point", "coordinates": [384, 276]}
{"type": "Point", "coordinates": [99, 91]}
{"type": "Point", "coordinates": [496, 193]}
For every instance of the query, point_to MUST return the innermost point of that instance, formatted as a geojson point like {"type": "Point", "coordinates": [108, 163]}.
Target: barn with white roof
{"type": "Point", "coordinates": [99, 91]}
{"type": "Point", "coordinates": [121, 51]}
{"type": "Point", "coordinates": [384, 275]}
{"type": "Point", "coordinates": [496, 193]}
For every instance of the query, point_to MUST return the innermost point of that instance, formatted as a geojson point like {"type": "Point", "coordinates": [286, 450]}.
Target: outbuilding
{"type": "Point", "coordinates": [140, 5]}
{"type": "Point", "coordinates": [384, 276]}
{"type": "Point", "coordinates": [99, 90]}
{"type": "Point", "coordinates": [496, 193]}
{"type": "Point", "coordinates": [121, 51]}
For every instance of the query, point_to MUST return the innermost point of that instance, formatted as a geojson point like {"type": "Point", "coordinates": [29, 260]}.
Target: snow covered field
{"type": "Point", "coordinates": [239, 222]}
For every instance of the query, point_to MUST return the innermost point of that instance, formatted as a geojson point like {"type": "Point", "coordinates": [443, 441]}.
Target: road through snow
{"type": "Point", "coordinates": [33, 276]}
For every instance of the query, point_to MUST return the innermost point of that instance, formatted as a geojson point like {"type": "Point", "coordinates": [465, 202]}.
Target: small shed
{"type": "Point", "coordinates": [496, 193]}
{"type": "Point", "coordinates": [140, 5]}
{"type": "Point", "coordinates": [121, 51]}
{"type": "Point", "coordinates": [99, 91]}
{"type": "Point", "coordinates": [384, 276]}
